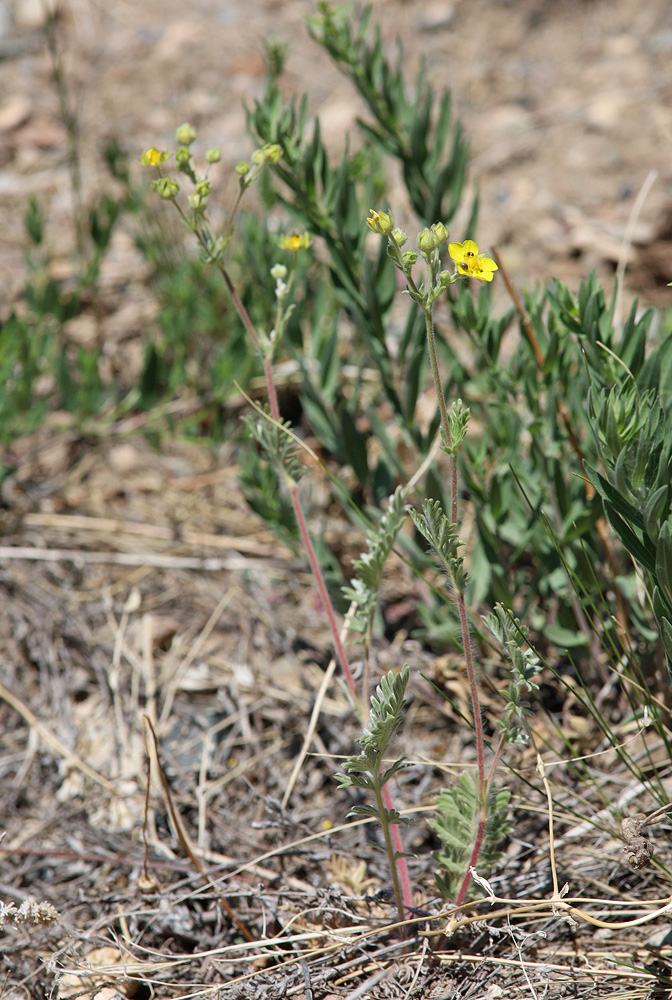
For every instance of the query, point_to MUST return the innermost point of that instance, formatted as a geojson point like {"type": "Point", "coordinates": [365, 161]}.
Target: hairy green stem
{"type": "Point", "coordinates": [434, 365]}
{"type": "Point", "coordinates": [464, 622]}
{"type": "Point", "coordinates": [322, 588]}
{"type": "Point", "coordinates": [390, 847]}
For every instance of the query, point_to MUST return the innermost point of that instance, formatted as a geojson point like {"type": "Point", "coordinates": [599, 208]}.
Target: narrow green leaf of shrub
{"type": "Point", "coordinates": [653, 509]}
{"type": "Point", "coordinates": [666, 635]}
{"type": "Point", "coordinates": [664, 562]}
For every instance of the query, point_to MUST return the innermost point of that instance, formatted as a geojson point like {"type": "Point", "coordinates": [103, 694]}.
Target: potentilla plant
{"type": "Point", "coordinates": [271, 432]}
{"type": "Point", "coordinates": [366, 770]}
{"type": "Point", "coordinates": [472, 818]}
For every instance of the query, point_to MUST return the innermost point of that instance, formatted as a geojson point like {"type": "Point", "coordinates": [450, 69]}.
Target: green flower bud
{"type": "Point", "coordinates": [399, 236]}
{"type": "Point", "coordinates": [204, 188]}
{"type": "Point", "coordinates": [278, 272]}
{"type": "Point", "coordinates": [185, 134]}
{"type": "Point", "coordinates": [198, 202]}
{"type": "Point", "coordinates": [182, 157]}
{"type": "Point", "coordinates": [272, 152]}
{"type": "Point", "coordinates": [242, 168]}
{"type": "Point", "coordinates": [166, 188]}
{"type": "Point", "coordinates": [409, 257]}
{"type": "Point", "coordinates": [427, 241]}
{"type": "Point", "coordinates": [441, 231]}
{"type": "Point", "coordinates": [213, 155]}
{"type": "Point", "coordinates": [380, 222]}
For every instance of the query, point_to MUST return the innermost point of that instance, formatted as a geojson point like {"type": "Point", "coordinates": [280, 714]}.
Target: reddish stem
{"type": "Point", "coordinates": [473, 691]}
{"type": "Point", "coordinates": [402, 868]}
{"type": "Point", "coordinates": [322, 588]}
{"type": "Point", "coordinates": [473, 860]}
{"type": "Point", "coordinates": [395, 833]}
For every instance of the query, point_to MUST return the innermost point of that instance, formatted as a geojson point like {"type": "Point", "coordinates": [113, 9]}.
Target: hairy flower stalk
{"type": "Point", "coordinates": [440, 533]}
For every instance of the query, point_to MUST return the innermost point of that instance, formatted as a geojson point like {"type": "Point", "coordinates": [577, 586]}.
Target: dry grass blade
{"type": "Point", "coordinates": [65, 752]}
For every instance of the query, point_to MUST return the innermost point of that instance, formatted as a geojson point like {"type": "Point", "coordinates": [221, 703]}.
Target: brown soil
{"type": "Point", "coordinates": [137, 584]}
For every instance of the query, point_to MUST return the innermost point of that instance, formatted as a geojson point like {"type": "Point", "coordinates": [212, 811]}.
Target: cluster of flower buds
{"type": "Point", "coordinates": [469, 262]}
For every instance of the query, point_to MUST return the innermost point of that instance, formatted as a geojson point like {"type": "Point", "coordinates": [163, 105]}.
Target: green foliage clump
{"type": "Point", "coordinates": [456, 824]}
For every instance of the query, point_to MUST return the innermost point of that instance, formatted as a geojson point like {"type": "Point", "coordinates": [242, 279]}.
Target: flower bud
{"type": "Point", "coordinates": [198, 202]}
{"type": "Point", "coordinates": [185, 134]}
{"type": "Point", "coordinates": [213, 155]}
{"type": "Point", "coordinates": [242, 168]}
{"type": "Point", "coordinates": [399, 236]}
{"type": "Point", "coordinates": [166, 188]}
{"type": "Point", "coordinates": [380, 222]}
{"type": "Point", "coordinates": [427, 241]}
{"type": "Point", "coordinates": [182, 157]}
{"type": "Point", "coordinates": [278, 271]}
{"type": "Point", "coordinates": [272, 152]}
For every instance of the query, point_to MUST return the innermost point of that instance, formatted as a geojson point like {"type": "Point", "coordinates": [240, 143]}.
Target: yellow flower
{"type": "Point", "coordinates": [471, 263]}
{"type": "Point", "coordinates": [153, 157]}
{"type": "Point", "coordinates": [295, 242]}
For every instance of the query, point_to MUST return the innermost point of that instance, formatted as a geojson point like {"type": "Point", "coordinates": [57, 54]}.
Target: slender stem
{"type": "Point", "coordinates": [401, 865]}
{"type": "Point", "coordinates": [473, 690]}
{"type": "Point", "coordinates": [322, 588]}
{"type": "Point", "coordinates": [483, 785]}
{"type": "Point", "coordinates": [237, 301]}
{"type": "Point", "coordinates": [461, 606]}
{"type": "Point", "coordinates": [229, 224]}
{"type": "Point", "coordinates": [501, 743]}
{"type": "Point", "coordinates": [434, 365]}
{"type": "Point", "coordinates": [389, 846]}
{"type": "Point", "coordinates": [473, 860]}
{"type": "Point", "coordinates": [366, 672]}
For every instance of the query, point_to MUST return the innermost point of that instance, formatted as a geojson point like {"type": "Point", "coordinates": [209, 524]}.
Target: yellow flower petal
{"type": "Point", "coordinates": [153, 157]}
{"type": "Point", "coordinates": [380, 222]}
{"type": "Point", "coordinates": [463, 252]}
{"type": "Point", "coordinates": [483, 268]}
{"type": "Point", "coordinates": [295, 242]}
{"type": "Point", "coordinates": [470, 263]}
